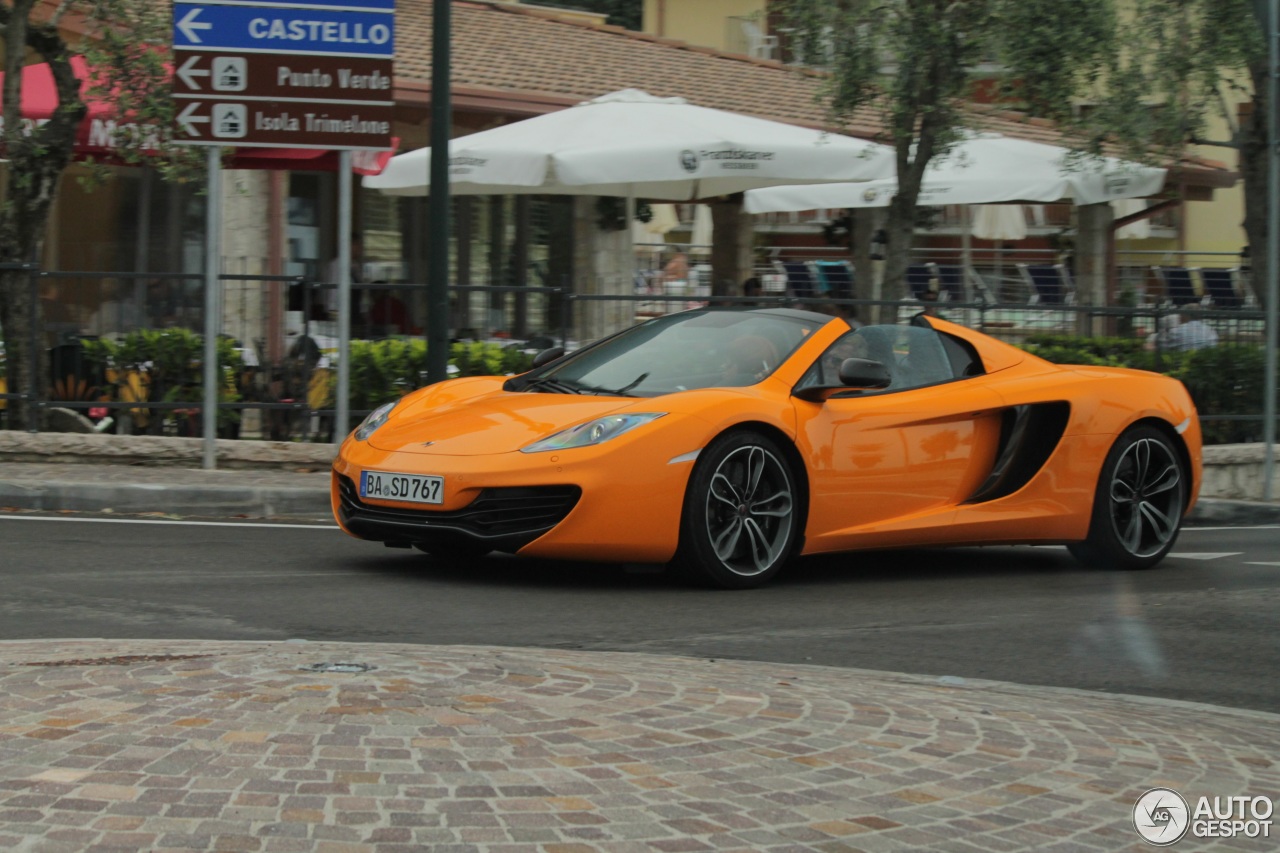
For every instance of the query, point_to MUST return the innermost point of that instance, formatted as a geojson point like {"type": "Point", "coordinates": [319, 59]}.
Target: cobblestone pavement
{"type": "Point", "coordinates": [126, 745]}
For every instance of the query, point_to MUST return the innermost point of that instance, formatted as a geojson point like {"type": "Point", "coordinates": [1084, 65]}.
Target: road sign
{"type": "Point", "coordinates": [292, 74]}
{"type": "Point", "coordinates": [270, 124]}
{"type": "Point", "coordinates": [276, 29]}
{"type": "Point", "coordinates": [343, 78]}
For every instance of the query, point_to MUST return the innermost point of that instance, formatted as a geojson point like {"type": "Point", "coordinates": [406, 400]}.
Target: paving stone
{"type": "Point", "coordinates": [482, 749]}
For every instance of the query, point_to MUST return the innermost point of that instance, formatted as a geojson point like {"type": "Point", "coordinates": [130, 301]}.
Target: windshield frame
{"type": "Point", "coordinates": [680, 352]}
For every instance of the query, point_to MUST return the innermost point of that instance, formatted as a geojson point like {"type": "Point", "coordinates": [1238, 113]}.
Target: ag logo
{"type": "Point", "coordinates": [689, 160]}
{"type": "Point", "coordinates": [1161, 816]}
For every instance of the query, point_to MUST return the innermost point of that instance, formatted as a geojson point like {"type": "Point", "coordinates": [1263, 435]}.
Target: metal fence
{"type": "Point", "coordinates": [124, 356]}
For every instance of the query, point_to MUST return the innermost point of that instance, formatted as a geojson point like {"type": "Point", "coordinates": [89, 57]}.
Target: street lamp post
{"type": "Point", "coordinates": [438, 210]}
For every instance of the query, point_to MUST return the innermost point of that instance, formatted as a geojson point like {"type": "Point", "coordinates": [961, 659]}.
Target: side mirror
{"type": "Point", "coordinates": [547, 356]}
{"type": "Point", "coordinates": [864, 373]}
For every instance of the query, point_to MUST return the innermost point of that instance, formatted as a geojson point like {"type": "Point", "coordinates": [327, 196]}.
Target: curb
{"type": "Point", "coordinates": [1220, 512]}
{"type": "Point", "coordinates": [251, 501]}
{"type": "Point", "coordinates": [262, 501]}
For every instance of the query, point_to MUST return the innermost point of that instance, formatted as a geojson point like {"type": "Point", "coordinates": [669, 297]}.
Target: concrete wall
{"type": "Point", "coordinates": [1231, 471]}
{"type": "Point", "coordinates": [701, 22]}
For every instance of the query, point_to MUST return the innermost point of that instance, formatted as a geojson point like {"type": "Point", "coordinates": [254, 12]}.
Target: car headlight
{"type": "Point", "coordinates": [376, 418]}
{"type": "Point", "coordinates": [592, 432]}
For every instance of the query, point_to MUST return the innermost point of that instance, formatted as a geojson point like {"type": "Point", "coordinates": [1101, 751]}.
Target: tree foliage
{"type": "Point", "coordinates": [1143, 76]}
{"type": "Point", "coordinates": [622, 13]}
{"type": "Point", "coordinates": [914, 63]}
{"type": "Point", "coordinates": [127, 52]}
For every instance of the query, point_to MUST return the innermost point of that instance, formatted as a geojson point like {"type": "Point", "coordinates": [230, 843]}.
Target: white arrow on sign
{"type": "Point", "coordinates": [188, 25]}
{"type": "Point", "coordinates": [188, 72]}
{"type": "Point", "coordinates": [188, 119]}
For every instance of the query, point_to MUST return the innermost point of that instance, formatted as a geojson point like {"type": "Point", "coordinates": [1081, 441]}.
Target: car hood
{"type": "Point", "coordinates": [494, 421]}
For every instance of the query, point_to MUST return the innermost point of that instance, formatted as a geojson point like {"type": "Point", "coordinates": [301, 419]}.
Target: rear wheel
{"type": "Point", "coordinates": [1137, 511]}
{"type": "Point", "coordinates": [742, 512]}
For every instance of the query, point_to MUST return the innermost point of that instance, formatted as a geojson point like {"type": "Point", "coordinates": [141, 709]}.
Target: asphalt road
{"type": "Point", "coordinates": [1204, 626]}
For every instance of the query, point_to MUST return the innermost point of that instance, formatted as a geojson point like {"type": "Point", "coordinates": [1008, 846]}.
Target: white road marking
{"type": "Point", "coordinates": [1205, 555]}
{"type": "Point", "coordinates": [1262, 564]}
{"type": "Point", "coordinates": [168, 521]}
{"type": "Point", "coordinates": [1212, 529]}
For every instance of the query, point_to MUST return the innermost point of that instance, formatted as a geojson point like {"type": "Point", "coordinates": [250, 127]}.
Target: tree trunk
{"type": "Point", "coordinates": [36, 162]}
{"type": "Point", "coordinates": [901, 231]}
{"type": "Point", "coordinates": [1254, 169]}
{"type": "Point", "coordinates": [25, 368]}
{"type": "Point", "coordinates": [730, 246]}
{"type": "Point", "coordinates": [863, 225]}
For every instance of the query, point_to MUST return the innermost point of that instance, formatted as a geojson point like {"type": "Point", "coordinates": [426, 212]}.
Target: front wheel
{"type": "Point", "coordinates": [742, 512]}
{"type": "Point", "coordinates": [1137, 511]}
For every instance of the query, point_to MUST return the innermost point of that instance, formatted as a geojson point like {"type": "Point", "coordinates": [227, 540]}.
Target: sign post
{"type": "Point", "coordinates": [286, 74]}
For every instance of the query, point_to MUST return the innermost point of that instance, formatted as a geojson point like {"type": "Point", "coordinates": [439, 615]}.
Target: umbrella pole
{"type": "Point", "coordinates": [629, 269]}
{"type": "Point", "coordinates": [966, 247]}
{"type": "Point", "coordinates": [999, 269]}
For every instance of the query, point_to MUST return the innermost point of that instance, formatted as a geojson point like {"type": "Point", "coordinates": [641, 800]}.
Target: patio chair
{"type": "Point", "coordinates": [950, 281]}
{"type": "Point", "coordinates": [1050, 284]}
{"type": "Point", "coordinates": [919, 277]}
{"type": "Point", "coordinates": [799, 279]}
{"type": "Point", "coordinates": [836, 277]}
{"type": "Point", "coordinates": [1220, 287]}
{"type": "Point", "coordinates": [1179, 288]}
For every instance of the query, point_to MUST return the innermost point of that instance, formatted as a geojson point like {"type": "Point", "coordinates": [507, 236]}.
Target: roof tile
{"type": "Point", "coordinates": [522, 54]}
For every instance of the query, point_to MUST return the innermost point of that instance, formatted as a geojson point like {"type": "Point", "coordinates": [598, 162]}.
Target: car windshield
{"type": "Point", "coordinates": [710, 348]}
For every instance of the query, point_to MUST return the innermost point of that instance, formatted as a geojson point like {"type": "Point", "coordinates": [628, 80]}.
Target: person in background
{"type": "Point", "coordinates": [849, 313]}
{"type": "Point", "coordinates": [676, 269]}
{"type": "Point", "coordinates": [329, 296]}
{"type": "Point", "coordinates": [1186, 331]}
{"type": "Point", "coordinates": [58, 317]}
{"type": "Point", "coordinates": [930, 300]}
{"type": "Point", "coordinates": [114, 315]}
{"type": "Point", "coordinates": [388, 315]}
{"type": "Point", "coordinates": [752, 289]}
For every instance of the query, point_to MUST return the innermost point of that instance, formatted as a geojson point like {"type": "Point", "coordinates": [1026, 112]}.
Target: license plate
{"type": "Point", "coordinates": [390, 486]}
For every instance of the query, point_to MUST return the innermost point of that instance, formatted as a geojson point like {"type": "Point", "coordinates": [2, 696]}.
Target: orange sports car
{"type": "Point", "coordinates": [729, 441]}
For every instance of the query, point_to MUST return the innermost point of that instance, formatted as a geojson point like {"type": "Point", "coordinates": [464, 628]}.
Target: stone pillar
{"type": "Point", "coordinates": [605, 258]}
{"type": "Point", "coordinates": [246, 195]}
{"type": "Point", "coordinates": [1092, 275]}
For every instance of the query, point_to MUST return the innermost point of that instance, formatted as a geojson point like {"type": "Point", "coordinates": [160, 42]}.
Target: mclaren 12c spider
{"type": "Point", "coordinates": [729, 441]}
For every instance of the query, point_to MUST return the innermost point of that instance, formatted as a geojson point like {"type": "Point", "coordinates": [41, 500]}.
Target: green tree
{"type": "Point", "coordinates": [129, 51]}
{"type": "Point", "coordinates": [1137, 77]}
{"type": "Point", "coordinates": [622, 13]}
{"type": "Point", "coordinates": [914, 62]}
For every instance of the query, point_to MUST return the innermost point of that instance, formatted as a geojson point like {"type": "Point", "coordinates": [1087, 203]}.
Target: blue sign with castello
{"type": "Point", "coordinates": [340, 29]}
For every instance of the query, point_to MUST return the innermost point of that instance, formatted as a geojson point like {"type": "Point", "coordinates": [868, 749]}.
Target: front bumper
{"type": "Point", "coordinates": [505, 519]}
{"type": "Point", "coordinates": [617, 502]}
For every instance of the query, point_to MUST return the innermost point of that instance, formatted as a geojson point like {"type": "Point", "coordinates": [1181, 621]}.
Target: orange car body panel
{"type": "Point", "coordinates": [883, 470]}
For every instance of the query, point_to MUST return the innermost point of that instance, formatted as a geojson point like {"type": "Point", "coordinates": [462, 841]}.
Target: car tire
{"type": "Point", "coordinates": [742, 511]}
{"type": "Point", "coordinates": [1138, 507]}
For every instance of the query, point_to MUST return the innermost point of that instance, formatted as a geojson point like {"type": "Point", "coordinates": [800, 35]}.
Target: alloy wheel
{"type": "Point", "coordinates": [1146, 497]}
{"type": "Point", "coordinates": [749, 508]}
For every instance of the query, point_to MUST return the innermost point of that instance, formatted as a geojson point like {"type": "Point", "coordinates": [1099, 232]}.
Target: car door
{"type": "Point", "coordinates": [896, 461]}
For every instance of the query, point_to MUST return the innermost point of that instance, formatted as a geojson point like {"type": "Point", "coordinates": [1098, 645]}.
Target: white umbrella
{"type": "Point", "coordinates": [985, 168]}
{"type": "Point", "coordinates": [999, 222]}
{"type": "Point", "coordinates": [629, 143]}
{"type": "Point", "coordinates": [1139, 230]}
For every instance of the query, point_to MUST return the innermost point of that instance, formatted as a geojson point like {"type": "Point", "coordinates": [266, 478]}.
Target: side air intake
{"type": "Point", "coordinates": [1028, 436]}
